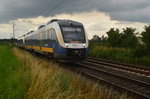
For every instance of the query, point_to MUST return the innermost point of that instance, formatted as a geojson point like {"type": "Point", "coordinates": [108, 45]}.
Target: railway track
{"type": "Point", "coordinates": [122, 66]}
{"type": "Point", "coordinates": [107, 72]}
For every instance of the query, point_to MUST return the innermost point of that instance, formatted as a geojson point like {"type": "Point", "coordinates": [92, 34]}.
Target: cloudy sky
{"type": "Point", "coordinates": [98, 16]}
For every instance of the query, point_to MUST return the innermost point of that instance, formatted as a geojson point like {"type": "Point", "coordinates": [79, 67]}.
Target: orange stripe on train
{"type": "Point", "coordinates": [44, 49]}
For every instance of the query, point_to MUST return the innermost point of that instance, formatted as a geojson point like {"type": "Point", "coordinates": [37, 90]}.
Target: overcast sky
{"type": "Point", "coordinates": [97, 15]}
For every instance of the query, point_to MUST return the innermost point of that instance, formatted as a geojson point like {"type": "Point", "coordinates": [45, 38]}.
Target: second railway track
{"type": "Point", "coordinates": [122, 66]}
{"type": "Point", "coordinates": [101, 71]}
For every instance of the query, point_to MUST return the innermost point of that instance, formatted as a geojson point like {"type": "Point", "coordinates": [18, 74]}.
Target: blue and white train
{"type": "Point", "coordinates": [65, 40]}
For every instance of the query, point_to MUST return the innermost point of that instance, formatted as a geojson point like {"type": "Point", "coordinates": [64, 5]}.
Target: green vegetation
{"type": "Point", "coordinates": [11, 81]}
{"type": "Point", "coordinates": [118, 54]}
{"type": "Point", "coordinates": [25, 76]}
{"type": "Point", "coordinates": [126, 46]}
{"type": "Point", "coordinates": [49, 81]}
{"type": "Point", "coordinates": [126, 39]}
{"type": "Point", "coordinates": [146, 36]}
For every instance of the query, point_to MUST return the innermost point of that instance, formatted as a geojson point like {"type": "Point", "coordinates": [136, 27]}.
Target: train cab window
{"type": "Point", "coordinates": [73, 34]}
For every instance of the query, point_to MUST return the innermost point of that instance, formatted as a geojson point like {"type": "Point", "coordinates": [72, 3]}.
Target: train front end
{"type": "Point", "coordinates": [73, 40]}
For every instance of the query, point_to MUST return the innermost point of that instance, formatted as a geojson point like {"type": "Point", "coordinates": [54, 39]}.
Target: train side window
{"type": "Point", "coordinates": [35, 39]}
{"type": "Point", "coordinates": [44, 35]}
{"type": "Point", "coordinates": [52, 38]}
{"type": "Point", "coordinates": [36, 36]}
{"type": "Point", "coordinates": [30, 39]}
{"type": "Point", "coordinates": [41, 36]}
{"type": "Point", "coordinates": [49, 33]}
{"type": "Point", "coordinates": [54, 35]}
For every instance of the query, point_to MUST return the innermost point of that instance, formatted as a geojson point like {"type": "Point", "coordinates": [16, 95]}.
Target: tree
{"type": "Point", "coordinates": [128, 37]}
{"type": "Point", "coordinates": [103, 38]}
{"type": "Point", "coordinates": [146, 36]}
{"type": "Point", "coordinates": [113, 37]}
{"type": "Point", "coordinates": [96, 38]}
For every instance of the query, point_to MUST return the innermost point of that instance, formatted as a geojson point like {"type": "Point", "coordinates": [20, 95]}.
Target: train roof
{"type": "Point", "coordinates": [41, 26]}
{"type": "Point", "coordinates": [65, 22]}
{"type": "Point", "coordinates": [60, 22]}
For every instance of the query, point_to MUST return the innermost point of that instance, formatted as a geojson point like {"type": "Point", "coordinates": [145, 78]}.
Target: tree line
{"type": "Point", "coordinates": [127, 38]}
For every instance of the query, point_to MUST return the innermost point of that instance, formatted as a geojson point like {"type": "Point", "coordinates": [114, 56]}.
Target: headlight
{"type": "Point", "coordinates": [83, 45]}
{"type": "Point", "coordinates": [66, 45]}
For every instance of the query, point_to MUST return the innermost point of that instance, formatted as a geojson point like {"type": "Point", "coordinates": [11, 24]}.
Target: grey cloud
{"type": "Point", "coordinates": [136, 15]}
{"type": "Point", "coordinates": [127, 10]}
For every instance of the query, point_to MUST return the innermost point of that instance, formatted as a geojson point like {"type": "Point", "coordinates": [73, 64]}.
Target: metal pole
{"type": "Point", "coordinates": [13, 32]}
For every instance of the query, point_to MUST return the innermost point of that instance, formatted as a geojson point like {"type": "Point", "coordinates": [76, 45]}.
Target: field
{"type": "Point", "coordinates": [117, 54]}
{"type": "Point", "coordinates": [26, 76]}
{"type": "Point", "coordinates": [11, 80]}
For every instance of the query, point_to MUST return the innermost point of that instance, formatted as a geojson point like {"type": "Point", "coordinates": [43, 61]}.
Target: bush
{"type": "Point", "coordinates": [139, 55]}
{"type": "Point", "coordinates": [140, 51]}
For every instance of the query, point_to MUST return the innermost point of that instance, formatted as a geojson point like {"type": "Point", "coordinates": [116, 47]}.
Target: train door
{"type": "Point", "coordinates": [54, 43]}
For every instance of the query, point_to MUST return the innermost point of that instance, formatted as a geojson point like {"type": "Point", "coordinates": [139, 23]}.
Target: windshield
{"type": "Point", "coordinates": [73, 34]}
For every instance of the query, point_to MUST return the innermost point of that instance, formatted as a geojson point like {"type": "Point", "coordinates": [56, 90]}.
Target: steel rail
{"type": "Point", "coordinates": [135, 69]}
{"type": "Point", "coordinates": [144, 84]}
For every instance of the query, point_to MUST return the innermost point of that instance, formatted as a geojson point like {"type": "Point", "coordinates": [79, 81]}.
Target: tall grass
{"type": "Point", "coordinates": [117, 54]}
{"type": "Point", "coordinates": [47, 80]}
{"type": "Point", "coordinates": [111, 53]}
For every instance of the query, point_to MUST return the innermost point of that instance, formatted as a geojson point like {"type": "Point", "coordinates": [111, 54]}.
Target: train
{"type": "Point", "coordinates": [61, 39]}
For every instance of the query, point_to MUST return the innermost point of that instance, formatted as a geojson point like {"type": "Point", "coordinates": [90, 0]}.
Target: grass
{"type": "Point", "coordinates": [11, 86]}
{"type": "Point", "coordinates": [118, 54]}
{"type": "Point", "coordinates": [47, 80]}
{"type": "Point", "coordinates": [24, 76]}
